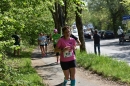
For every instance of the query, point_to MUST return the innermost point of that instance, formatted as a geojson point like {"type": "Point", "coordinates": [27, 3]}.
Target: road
{"type": "Point", "coordinates": [111, 47]}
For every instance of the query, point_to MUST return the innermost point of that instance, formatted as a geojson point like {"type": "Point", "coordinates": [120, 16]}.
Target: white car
{"type": "Point", "coordinates": [127, 36]}
{"type": "Point", "coordinates": [75, 30]}
{"type": "Point", "coordinates": [75, 33]}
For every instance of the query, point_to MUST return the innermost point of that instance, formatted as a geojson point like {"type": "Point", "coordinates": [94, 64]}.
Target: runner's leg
{"type": "Point", "coordinates": [98, 49]}
{"type": "Point", "coordinates": [66, 74]}
{"type": "Point", "coordinates": [18, 52]}
{"type": "Point", "coordinates": [42, 50]}
{"type": "Point", "coordinates": [14, 51]}
{"type": "Point", "coordinates": [73, 70]}
{"type": "Point", "coordinates": [95, 49]}
{"type": "Point", "coordinates": [46, 48]}
{"type": "Point", "coordinates": [58, 57]}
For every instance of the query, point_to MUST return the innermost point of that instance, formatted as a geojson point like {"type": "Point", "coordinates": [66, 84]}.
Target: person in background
{"type": "Point", "coordinates": [120, 33]}
{"type": "Point", "coordinates": [46, 44]}
{"type": "Point", "coordinates": [50, 35]}
{"type": "Point", "coordinates": [96, 39]}
{"type": "Point", "coordinates": [17, 44]}
{"type": "Point", "coordinates": [55, 38]}
{"type": "Point", "coordinates": [41, 43]}
{"type": "Point", "coordinates": [76, 39]}
{"type": "Point", "coordinates": [48, 38]}
{"type": "Point", "coordinates": [66, 46]}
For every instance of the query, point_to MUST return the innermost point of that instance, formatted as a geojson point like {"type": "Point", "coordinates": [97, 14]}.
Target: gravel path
{"type": "Point", "coordinates": [53, 75]}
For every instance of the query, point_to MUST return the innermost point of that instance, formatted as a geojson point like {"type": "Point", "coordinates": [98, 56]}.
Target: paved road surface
{"type": "Point", "coordinates": [111, 47]}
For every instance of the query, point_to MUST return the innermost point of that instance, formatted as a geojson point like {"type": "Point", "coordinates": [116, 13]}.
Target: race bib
{"type": "Point", "coordinates": [67, 54]}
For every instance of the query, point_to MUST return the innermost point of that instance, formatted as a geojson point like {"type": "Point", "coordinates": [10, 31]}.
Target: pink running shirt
{"type": "Point", "coordinates": [67, 55]}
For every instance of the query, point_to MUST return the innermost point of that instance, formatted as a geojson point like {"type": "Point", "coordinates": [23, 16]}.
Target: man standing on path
{"type": "Point", "coordinates": [16, 44]}
{"type": "Point", "coordinates": [55, 38]}
{"type": "Point", "coordinates": [96, 39]}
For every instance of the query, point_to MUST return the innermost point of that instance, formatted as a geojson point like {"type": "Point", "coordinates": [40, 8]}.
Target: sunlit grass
{"type": "Point", "coordinates": [105, 66]}
{"type": "Point", "coordinates": [21, 70]}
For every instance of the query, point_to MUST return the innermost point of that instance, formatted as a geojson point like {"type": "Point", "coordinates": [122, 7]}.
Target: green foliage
{"type": "Point", "coordinates": [28, 18]}
{"type": "Point", "coordinates": [126, 3]}
{"type": "Point", "coordinates": [105, 66]}
{"type": "Point", "coordinates": [5, 5]}
{"type": "Point", "coordinates": [107, 14]}
{"type": "Point", "coordinates": [16, 71]}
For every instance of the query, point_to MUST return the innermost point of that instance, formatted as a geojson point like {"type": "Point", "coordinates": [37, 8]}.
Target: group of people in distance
{"type": "Point", "coordinates": [43, 41]}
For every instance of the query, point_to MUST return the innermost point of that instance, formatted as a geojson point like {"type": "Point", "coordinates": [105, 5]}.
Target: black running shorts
{"type": "Point", "coordinates": [68, 65]}
{"type": "Point", "coordinates": [57, 53]}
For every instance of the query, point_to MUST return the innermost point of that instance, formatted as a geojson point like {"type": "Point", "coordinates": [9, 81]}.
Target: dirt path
{"type": "Point", "coordinates": [53, 76]}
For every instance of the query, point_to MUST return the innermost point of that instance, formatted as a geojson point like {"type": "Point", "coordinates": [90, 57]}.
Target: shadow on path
{"type": "Point", "coordinates": [37, 55]}
{"type": "Point", "coordinates": [47, 65]}
{"type": "Point", "coordinates": [59, 84]}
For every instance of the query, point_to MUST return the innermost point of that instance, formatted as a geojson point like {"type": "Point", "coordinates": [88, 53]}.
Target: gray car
{"type": "Point", "coordinates": [127, 35]}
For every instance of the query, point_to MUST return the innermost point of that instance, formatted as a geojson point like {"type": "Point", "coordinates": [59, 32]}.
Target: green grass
{"type": "Point", "coordinates": [105, 66]}
{"type": "Point", "coordinates": [20, 72]}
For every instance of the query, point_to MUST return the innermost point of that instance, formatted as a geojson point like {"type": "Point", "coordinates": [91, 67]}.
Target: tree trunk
{"type": "Point", "coordinates": [55, 16]}
{"type": "Point", "coordinates": [80, 29]}
{"type": "Point", "coordinates": [59, 16]}
{"type": "Point", "coordinates": [114, 24]}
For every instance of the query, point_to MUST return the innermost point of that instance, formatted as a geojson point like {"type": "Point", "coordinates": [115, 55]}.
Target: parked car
{"type": "Point", "coordinates": [127, 36]}
{"type": "Point", "coordinates": [75, 33]}
{"type": "Point", "coordinates": [88, 34]}
{"type": "Point", "coordinates": [107, 34]}
{"type": "Point", "coordinates": [101, 32]}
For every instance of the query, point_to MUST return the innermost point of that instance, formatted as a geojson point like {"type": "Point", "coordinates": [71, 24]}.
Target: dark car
{"type": "Point", "coordinates": [101, 32]}
{"type": "Point", "coordinates": [107, 34]}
